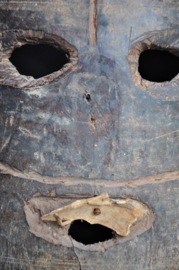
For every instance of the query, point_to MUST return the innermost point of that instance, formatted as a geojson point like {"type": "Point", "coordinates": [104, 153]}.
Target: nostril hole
{"type": "Point", "coordinates": [38, 60]}
{"type": "Point", "coordinates": [88, 97]}
{"type": "Point", "coordinates": [87, 233]}
{"type": "Point", "coordinates": [158, 66]}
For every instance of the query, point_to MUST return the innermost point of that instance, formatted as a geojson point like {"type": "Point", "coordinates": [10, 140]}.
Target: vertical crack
{"type": "Point", "coordinates": [75, 252]}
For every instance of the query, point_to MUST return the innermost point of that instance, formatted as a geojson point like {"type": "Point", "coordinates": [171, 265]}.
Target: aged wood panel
{"type": "Point", "coordinates": [122, 133]}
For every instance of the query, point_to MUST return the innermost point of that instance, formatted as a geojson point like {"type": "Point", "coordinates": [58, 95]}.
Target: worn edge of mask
{"type": "Point", "coordinates": [75, 181]}
{"type": "Point", "coordinates": [12, 39]}
{"type": "Point", "coordinates": [160, 40]}
{"type": "Point", "coordinates": [39, 206]}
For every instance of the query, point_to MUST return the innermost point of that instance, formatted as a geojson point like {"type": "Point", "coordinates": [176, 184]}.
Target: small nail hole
{"type": "Point", "coordinates": [96, 211]}
{"type": "Point", "coordinates": [88, 97]}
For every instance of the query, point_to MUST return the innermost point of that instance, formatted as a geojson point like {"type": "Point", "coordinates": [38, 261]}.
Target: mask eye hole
{"type": "Point", "coordinates": [87, 233]}
{"type": "Point", "coordinates": [31, 58]}
{"type": "Point", "coordinates": [158, 65]}
{"type": "Point", "coordinates": [38, 60]}
{"type": "Point", "coordinates": [154, 63]}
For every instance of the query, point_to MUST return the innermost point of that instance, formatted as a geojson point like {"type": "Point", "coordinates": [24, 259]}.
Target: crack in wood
{"type": "Point", "coordinates": [75, 252]}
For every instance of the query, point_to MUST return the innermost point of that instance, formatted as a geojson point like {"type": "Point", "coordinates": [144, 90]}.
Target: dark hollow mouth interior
{"type": "Point", "coordinates": [38, 60]}
{"type": "Point", "coordinates": [158, 66]}
{"type": "Point", "coordinates": [87, 233]}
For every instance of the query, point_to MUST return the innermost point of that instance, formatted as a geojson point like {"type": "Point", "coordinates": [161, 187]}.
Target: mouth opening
{"type": "Point", "coordinates": [86, 233]}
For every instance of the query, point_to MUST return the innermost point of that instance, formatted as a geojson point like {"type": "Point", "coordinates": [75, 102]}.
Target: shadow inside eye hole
{"type": "Point", "coordinates": [158, 66]}
{"type": "Point", "coordinates": [38, 60]}
{"type": "Point", "coordinates": [87, 233]}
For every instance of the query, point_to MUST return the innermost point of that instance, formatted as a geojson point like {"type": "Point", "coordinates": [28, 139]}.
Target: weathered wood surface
{"type": "Point", "coordinates": [155, 249]}
{"type": "Point", "coordinates": [49, 130]}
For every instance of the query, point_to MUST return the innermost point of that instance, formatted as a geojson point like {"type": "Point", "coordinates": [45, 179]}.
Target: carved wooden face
{"type": "Point", "coordinates": [91, 119]}
{"type": "Point", "coordinates": [95, 124]}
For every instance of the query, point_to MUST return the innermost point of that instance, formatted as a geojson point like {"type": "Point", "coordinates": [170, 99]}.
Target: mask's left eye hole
{"type": "Point", "coordinates": [158, 65]}
{"type": "Point", "coordinates": [38, 60]}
